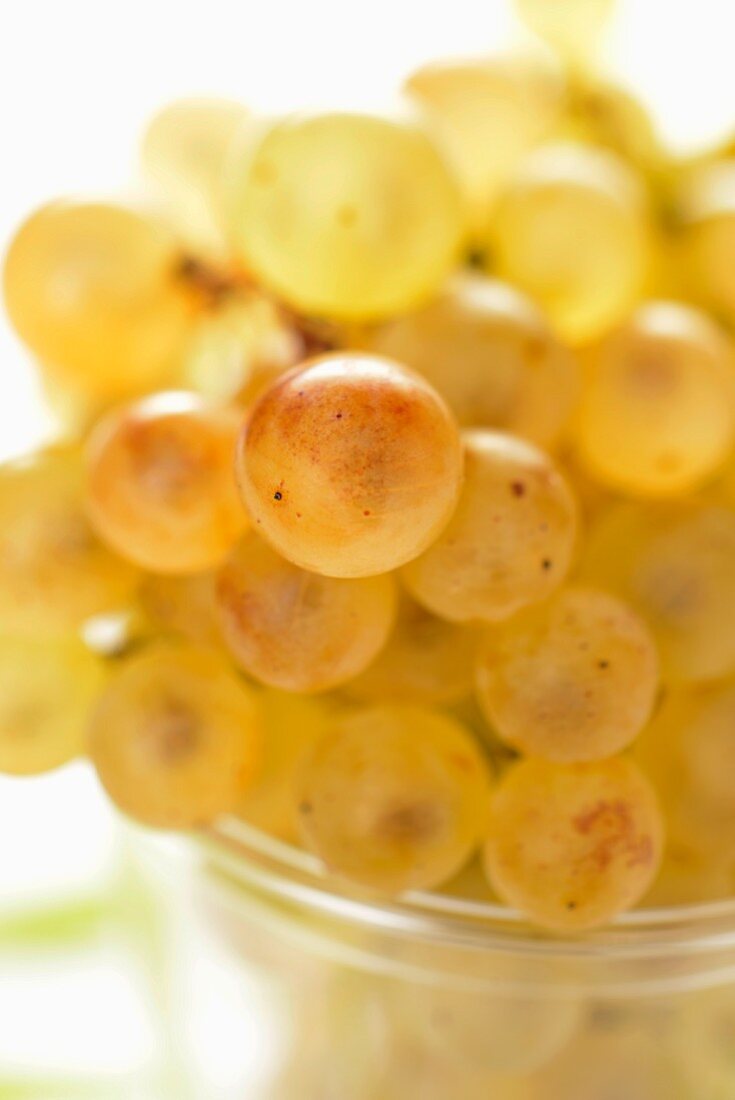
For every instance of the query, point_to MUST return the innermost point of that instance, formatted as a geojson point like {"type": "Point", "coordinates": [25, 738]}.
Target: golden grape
{"type": "Point", "coordinates": [345, 215]}
{"type": "Point", "coordinates": [705, 235]}
{"type": "Point", "coordinates": [176, 737]}
{"type": "Point", "coordinates": [161, 487]}
{"type": "Point", "coordinates": [183, 605]}
{"type": "Point", "coordinates": [54, 571]}
{"type": "Point", "coordinates": [510, 540]}
{"type": "Point", "coordinates": [297, 630]}
{"type": "Point", "coordinates": [572, 845]}
{"type": "Point", "coordinates": [572, 679]}
{"type": "Point", "coordinates": [489, 352]}
{"type": "Point", "coordinates": [95, 291]}
{"type": "Point", "coordinates": [350, 466]}
{"type": "Point", "coordinates": [47, 688]}
{"type": "Point", "coordinates": [394, 798]}
{"type": "Point", "coordinates": [571, 231]}
{"type": "Point", "coordinates": [569, 26]}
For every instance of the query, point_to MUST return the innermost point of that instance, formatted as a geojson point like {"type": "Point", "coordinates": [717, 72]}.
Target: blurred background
{"type": "Point", "coordinates": [108, 985]}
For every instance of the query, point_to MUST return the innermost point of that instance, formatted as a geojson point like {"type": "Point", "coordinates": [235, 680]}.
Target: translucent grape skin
{"type": "Point", "coordinates": [571, 231]}
{"type": "Point", "coordinates": [510, 540]}
{"type": "Point", "coordinates": [184, 152]}
{"type": "Point", "coordinates": [394, 798]}
{"type": "Point", "coordinates": [425, 660]}
{"type": "Point", "coordinates": [176, 737]}
{"type": "Point", "coordinates": [349, 466]}
{"type": "Point", "coordinates": [48, 685]}
{"type": "Point", "coordinates": [54, 571]}
{"type": "Point", "coordinates": [160, 484]}
{"type": "Point", "coordinates": [674, 564]}
{"type": "Point", "coordinates": [490, 353]}
{"type": "Point", "coordinates": [574, 679]}
{"type": "Point", "coordinates": [298, 630]}
{"type": "Point", "coordinates": [94, 290]}
{"type": "Point", "coordinates": [573, 845]}
{"type": "Point", "coordinates": [664, 383]}
{"type": "Point", "coordinates": [488, 112]}
{"type": "Point", "coordinates": [345, 215]}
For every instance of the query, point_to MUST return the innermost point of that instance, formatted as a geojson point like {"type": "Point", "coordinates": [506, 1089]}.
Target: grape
{"type": "Point", "coordinates": [570, 26]}
{"type": "Point", "coordinates": [54, 571]}
{"type": "Point", "coordinates": [345, 215]}
{"type": "Point", "coordinates": [394, 798]}
{"type": "Point", "coordinates": [296, 630]}
{"type": "Point", "coordinates": [571, 231]}
{"type": "Point", "coordinates": [292, 725]}
{"type": "Point", "coordinates": [664, 383]}
{"type": "Point", "coordinates": [688, 877]}
{"type": "Point", "coordinates": [510, 540]}
{"type": "Point", "coordinates": [94, 290]}
{"type": "Point", "coordinates": [488, 112]}
{"type": "Point", "coordinates": [350, 466]}
{"type": "Point", "coordinates": [608, 115]}
{"type": "Point", "coordinates": [572, 845]}
{"type": "Point", "coordinates": [674, 564]}
{"type": "Point", "coordinates": [182, 605]}
{"type": "Point", "coordinates": [573, 679]}
{"type": "Point", "coordinates": [426, 660]}
{"type": "Point", "coordinates": [489, 352]}
{"type": "Point", "coordinates": [706, 236]}
{"type": "Point", "coordinates": [183, 154]}
{"type": "Point", "coordinates": [47, 688]}
{"type": "Point", "coordinates": [500, 1034]}
{"type": "Point", "coordinates": [161, 488]}
{"type": "Point", "coordinates": [176, 738]}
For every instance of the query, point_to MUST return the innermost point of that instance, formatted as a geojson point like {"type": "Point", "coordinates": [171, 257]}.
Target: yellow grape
{"type": "Point", "coordinates": [345, 215]}
{"type": "Point", "coordinates": [482, 1030]}
{"type": "Point", "coordinates": [571, 231]}
{"type": "Point", "coordinates": [657, 415]}
{"type": "Point", "coordinates": [176, 737]}
{"type": "Point", "coordinates": [394, 798]}
{"type": "Point", "coordinates": [674, 564]}
{"type": "Point", "coordinates": [569, 26]}
{"type": "Point", "coordinates": [688, 877]}
{"type": "Point", "coordinates": [292, 725]}
{"type": "Point", "coordinates": [572, 845]}
{"type": "Point", "coordinates": [96, 292]}
{"type": "Point", "coordinates": [54, 571]}
{"type": "Point", "coordinates": [47, 688]}
{"type": "Point", "coordinates": [183, 605]}
{"type": "Point", "coordinates": [489, 352]}
{"type": "Point", "coordinates": [609, 115]}
{"type": "Point", "coordinates": [183, 156]}
{"type": "Point", "coordinates": [161, 489]}
{"type": "Point", "coordinates": [425, 660]}
{"type": "Point", "coordinates": [706, 236]}
{"type": "Point", "coordinates": [572, 679]}
{"type": "Point", "coordinates": [296, 630]}
{"type": "Point", "coordinates": [510, 540]}
{"type": "Point", "coordinates": [350, 466]}
{"type": "Point", "coordinates": [487, 112]}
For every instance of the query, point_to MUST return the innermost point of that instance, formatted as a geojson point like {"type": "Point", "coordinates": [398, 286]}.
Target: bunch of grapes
{"type": "Point", "coordinates": [393, 504]}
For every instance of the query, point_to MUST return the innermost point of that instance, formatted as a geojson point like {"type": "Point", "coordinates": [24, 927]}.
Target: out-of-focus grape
{"type": "Point", "coordinates": [489, 352]}
{"type": "Point", "coordinates": [487, 112]}
{"type": "Point", "coordinates": [705, 235]}
{"type": "Point", "coordinates": [182, 605]}
{"type": "Point", "coordinates": [571, 230]}
{"type": "Point", "coordinates": [510, 540]}
{"type": "Point", "coordinates": [161, 487]}
{"type": "Point", "coordinates": [609, 115]}
{"type": "Point", "coordinates": [570, 26]}
{"type": "Point", "coordinates": [572, 845]}
{"type": "Point", "coordinates": [394, 798]}
{"type": "Point", "coordinates": [296, 630]}
{"type": "Point", "coordinates": [345, 215]}
{"type": "Point", "coordinates": [657, 415]}
{"type": "Point", "coordinates": [96, 292]}
{"type": "Point", "coordinates": [183, 156]}
{"type": "Point", "coordinates": [350, 466]}
{"type": "Point", "coordinates": [47, 688]}
{"type": "Point", "coordinates": [176, 737]}
{"type": "Point", "coordinates": [674, 564]}
{"type": "Point", "coordinates": [572, 679]}
{"type": "Point", "coordinates": [54, 571]}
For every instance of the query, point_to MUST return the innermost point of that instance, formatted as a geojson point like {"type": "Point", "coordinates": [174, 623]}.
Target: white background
{"type": "Point", "coordinates": [77, 80]}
